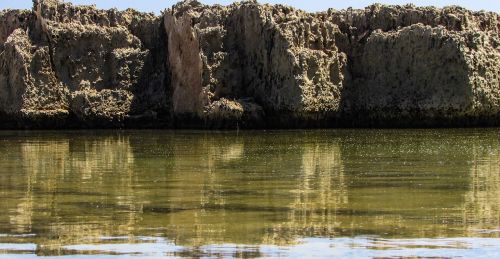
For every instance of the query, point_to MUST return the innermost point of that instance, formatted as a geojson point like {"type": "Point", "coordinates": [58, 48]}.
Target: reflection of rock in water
{"type": "Point", "coordinates": [229, 184]}
{"type": "Point", "coordinates": [43, 163]}
{"type": "Point", "coordinates": [201, 165]}
{"type": "Point", "coordinates": [198, 189]}
{"type": "Point", "coordinates": [482, 201]}
{"type": "Point", "coordinates": [59, 174]}
{"type": "Point", "coordinates": [321, 190]}
{"type": "Point", "coordinates": [101, 156]}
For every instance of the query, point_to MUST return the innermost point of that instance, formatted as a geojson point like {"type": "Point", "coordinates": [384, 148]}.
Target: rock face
{"type": "Point", "coordinates": [248, 65]}
{"type": "Point", "coordinates": [261, 56]}
{"type": "Point", "coordinates": [75, 66]}
{"type": "Point", "coordinates": [427, 74]}
{"type": "Point", "coordinates": [422, 66]}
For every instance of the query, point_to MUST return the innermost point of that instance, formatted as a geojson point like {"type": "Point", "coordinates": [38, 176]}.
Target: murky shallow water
{"type": "Point", "coordinates": [345, 193]}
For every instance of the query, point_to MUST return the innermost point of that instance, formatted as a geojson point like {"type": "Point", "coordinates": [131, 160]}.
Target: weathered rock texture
{"type": "Point", "coordinates": [65, 65]}
{"type": "Point", "coordinates": [422, 66]}
{"type": "Point", "coordinates": [248, 65]}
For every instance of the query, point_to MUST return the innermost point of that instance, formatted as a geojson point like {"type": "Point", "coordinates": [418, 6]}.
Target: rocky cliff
{"type": "Point", "coordinates": [248, 65]}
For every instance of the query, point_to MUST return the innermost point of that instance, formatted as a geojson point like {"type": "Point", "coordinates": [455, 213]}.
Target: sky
{"type": "Point", "coordinates": [308, 5]}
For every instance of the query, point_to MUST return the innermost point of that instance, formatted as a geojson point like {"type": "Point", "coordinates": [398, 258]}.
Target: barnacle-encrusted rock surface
{"type": "Point", "coordinates": [248, 65]}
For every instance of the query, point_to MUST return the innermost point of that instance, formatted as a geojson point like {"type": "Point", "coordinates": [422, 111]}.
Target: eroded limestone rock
{"type": "Point", "coordinates": [80, 62]}
{"type": "Point", "coordinates": [425, 73]}
{"type": "Point", "coordinates": [248, 65]}
{"type": "Point", "coordinates": [105, 105]}
{"type": "Point", "coordinates": [11, 20]}
{"type": "Point", "coordinates": [29, 88]}
{"type": "Point", "coordinates": [246, 50]}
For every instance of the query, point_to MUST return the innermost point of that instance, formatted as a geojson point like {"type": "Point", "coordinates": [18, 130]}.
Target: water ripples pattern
{"type": "Point", "coordinates": [323, 193]}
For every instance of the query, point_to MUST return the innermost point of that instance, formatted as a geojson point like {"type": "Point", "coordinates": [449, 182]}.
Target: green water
{"type": "Point", "coordinates": [346, 193]}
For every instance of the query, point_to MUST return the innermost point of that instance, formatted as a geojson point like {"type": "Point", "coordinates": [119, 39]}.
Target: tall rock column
{"type": "Point", "coordinates": [188, 95]}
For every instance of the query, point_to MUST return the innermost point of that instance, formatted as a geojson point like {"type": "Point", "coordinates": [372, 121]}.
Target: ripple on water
{"type": "Point", "coordinates": [359, 247]}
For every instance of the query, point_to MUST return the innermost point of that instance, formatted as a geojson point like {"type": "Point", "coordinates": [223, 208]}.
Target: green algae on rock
{"type": "Point", "coordinates": [248, 65]}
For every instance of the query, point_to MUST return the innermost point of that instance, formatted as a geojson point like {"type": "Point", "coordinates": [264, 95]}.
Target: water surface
{"type": "Point", "coordinates": [323, 193]}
